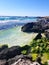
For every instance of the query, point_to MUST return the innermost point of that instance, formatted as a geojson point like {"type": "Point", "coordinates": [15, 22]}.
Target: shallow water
{"type": "Point", "coordinates": [14, 36]}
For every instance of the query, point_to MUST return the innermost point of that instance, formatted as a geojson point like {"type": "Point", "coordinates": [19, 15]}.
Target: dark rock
{"type": "Point", "coordinates": [27, 27]}
{"type": "Point", "coordinates": [3, 47]}
{"type": "Point", "coordinates": [39, 36]}
{"type": "Point", "coordinates": [13, 51]}
{"type": "Point", "coordinates": [27, 48]}
{"type": "Point", "coordinates": [47, 33]}
{"type": "Point", "coordinates": [39, 26]}
{"type": "Point", "coordinates": [10, 52]}
{"type": "Point", "coordinates": [39, 60]}
{"type": "Point", "coordinates": [32, 27]}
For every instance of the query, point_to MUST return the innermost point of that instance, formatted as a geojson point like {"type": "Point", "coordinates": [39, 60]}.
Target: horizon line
{"type": "Point", "coordinates": [24, 16]}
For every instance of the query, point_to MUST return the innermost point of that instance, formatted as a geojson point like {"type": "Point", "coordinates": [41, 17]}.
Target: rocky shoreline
{"type": "Point", "coordinates": [40, 26]}
{"type": "Point", "coordinates": [13, 56]}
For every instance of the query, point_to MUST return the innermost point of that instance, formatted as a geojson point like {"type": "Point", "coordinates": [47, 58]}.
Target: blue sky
{"type": "Point", "coordinates": [24, 7]}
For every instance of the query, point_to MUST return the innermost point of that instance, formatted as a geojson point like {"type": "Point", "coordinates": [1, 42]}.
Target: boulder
{"type": "Point", "coordinates": [27, 27]}
{"type": "Point", "coordinates": [10, 52]}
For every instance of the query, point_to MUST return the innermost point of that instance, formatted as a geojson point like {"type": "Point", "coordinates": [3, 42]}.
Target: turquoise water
{"type": "Point", "coordinates": [14, 36]}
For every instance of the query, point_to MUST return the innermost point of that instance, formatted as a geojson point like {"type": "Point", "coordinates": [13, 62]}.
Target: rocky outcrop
{"type": "Point", "coordinates": [27, 27]}
{"type": "Point", "coordinates": [39, 26]}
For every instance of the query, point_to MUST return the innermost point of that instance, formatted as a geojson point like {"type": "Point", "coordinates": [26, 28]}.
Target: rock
{"type": "Point", "coordinates": [32, 27]}
{"type": "Point", "coordinates": [23, 60]}
{"type": "Point", "coordinates": [35, 63]}
{"type": "Point", "coordinates": [20, 59]}
{"type": "Point", "coordinates": [39, 26]}
{"type": "Point", "coordinates": [12, 60]}
{"type": "Point", "coordinates": [13, 51]}
{"type": "Point", "coordinates": [39, 36]}
{"type": "Point", "coordinates": [39, 60]}
{"type": "Point", "coordinates": [47, 33]}
{"type": "Point", "coordinates": [2, 62]}
{"type": "Point", "coordinates": [27, 27]}
{"type": "Point", "coordinates": [10, 52]}
{"type": "Point", "coordinates": [3, 47]}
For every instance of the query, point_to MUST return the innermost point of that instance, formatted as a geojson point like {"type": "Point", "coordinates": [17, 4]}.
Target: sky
{"type": "Point", "coordinates": [24, 7]}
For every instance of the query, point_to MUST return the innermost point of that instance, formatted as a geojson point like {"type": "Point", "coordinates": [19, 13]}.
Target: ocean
{"type": "Point", "coordinates": [10, 30]}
